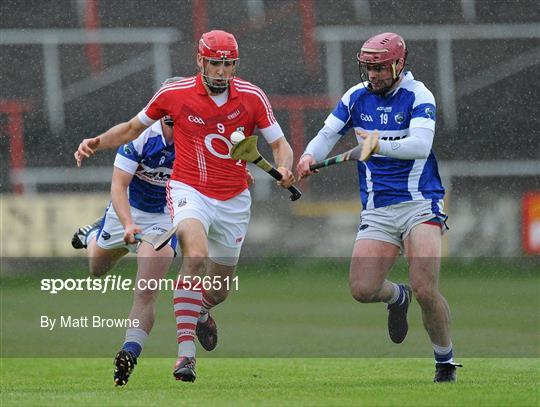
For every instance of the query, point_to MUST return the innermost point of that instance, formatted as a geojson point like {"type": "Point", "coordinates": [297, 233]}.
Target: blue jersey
{"type": "Point", "coordinates": [383, 180]}
{"type": "Point", "coordinates": [150, 159]}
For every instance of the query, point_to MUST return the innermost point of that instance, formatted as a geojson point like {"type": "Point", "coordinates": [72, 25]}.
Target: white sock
{"type": "Point", "coordinates": [396, 294]}
{"type": "Point", "coordinates": [443, 351]}
{"type": "Point", "coordinates": [186, 348]}
{"type": "Point", "coordinates": [136, 335]}
{"type": "Point", "coordinates": [203, 316]}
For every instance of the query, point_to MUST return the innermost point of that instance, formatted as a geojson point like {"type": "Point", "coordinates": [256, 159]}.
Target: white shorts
{"type": "Point", "coordinates": [393, 223]}
{"type": "Point", "coordinates": [225, 222]}
{"type": "Point", "coordinates": [111, 234]}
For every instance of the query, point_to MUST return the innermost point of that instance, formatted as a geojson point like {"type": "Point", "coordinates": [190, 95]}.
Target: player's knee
{"type": "Point", "coordinates": [99, 266]}
{"type": "Point", "coordinates": [145, 296]}
{"type": "Point", "coordinates": [363, 293]}
{"type": "Point", "coordinates": [195, 260]}
{"type": "Point", "coordinates": [425, 294]}
{"type": "Point", "coordinates": [97, 270]}
{"type": "Point", "coordinates": [216, 296]}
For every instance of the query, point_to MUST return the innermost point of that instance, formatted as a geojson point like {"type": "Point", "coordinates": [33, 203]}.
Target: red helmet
{"type": "Point", "coordinates": [218, 44]}
{"type": "Point", "coordinates": [383, 48]}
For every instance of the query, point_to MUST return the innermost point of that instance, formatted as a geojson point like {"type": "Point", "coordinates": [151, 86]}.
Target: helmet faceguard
{"type": "Point", "coordinates": [383, 51]}
{"type": "Point", "coordinates": [218, 47]}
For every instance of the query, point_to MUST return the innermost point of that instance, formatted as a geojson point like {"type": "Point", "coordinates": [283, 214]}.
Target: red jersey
{"type": "Point", "coordinates": [202, 132]}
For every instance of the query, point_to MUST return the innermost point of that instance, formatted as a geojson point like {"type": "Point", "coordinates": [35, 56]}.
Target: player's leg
{"type": "Point", "coordinates": [152, 266]}
{"type": "Point", "coordinates": [423, 249]}
{"type": "Point", "coordinates": [377, 246]}
{"type": "Point", "coordinates": [370, 265]}
{"type": "Point", "coordinates": [193, 213]}
{"type": "Point", "coordinates": [187, 297]}
{"type": "Point", "coordinates": [101, 260]}
{"type": "Point", "coordinates": [106, 244]}
{"type": "Point", "coordinates": [220, 277]}
{"type": "Point", "coordinates": [225, 239]}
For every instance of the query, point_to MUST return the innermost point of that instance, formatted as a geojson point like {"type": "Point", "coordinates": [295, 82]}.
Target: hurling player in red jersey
{"type": "Point", "coordinates": [207, 195]}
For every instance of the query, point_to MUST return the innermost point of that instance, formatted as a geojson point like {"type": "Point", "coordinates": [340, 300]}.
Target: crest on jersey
{"type": "Point", "coordinates": [182, 202]}
{"type": "Point", "coordinates": [399, 117]}
{"type": "Point", "coordinates": [430, 112]}
{"type": "Point", "coordinates": [127, 149]}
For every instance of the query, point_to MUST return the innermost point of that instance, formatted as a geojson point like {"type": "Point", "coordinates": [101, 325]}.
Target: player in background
{"type": "Point", "coordinates": [207, 195]}
{"type": "Point", "coordinates": [401, 192]}
{"type": "Point", "coordinates": [142, 167]}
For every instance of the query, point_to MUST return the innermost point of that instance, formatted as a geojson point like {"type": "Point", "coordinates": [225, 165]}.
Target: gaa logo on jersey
{"type": "Point", "coordinates": [366, 117]}
{"type": "Point", "coordinates": [430, 112]}
{"type": "Point", "coordinates": [127, 149]}
{"type": "Point", "coordinates": [399, 117]}
{"type": "Point", "coordinates": [196, 119]}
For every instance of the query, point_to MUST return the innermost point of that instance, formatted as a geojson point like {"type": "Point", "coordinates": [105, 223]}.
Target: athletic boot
{"type": "Point", "coordinates": [446, 372]}
{"type": "Point", "coordinates": [124, 363]}
{"type": "Point", "coordinates": [397, 316]}
{"type": "Point", "coordinates": [79, 237]}
{"type": "Point", "coordinates": [184, 369]}
{"type": "Point", "coordinates": [207, 333]}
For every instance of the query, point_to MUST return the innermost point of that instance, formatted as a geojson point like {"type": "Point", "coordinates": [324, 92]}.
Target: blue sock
{"type": "Point", "coordinates": [443, 354]}
{"type": "Point", "coordinates": [133, 347]}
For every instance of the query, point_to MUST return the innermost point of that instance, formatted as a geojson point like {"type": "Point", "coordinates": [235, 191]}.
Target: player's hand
{"type": "Point", "coordinates": [129, 233]}
{"type": "Point", "coordinates": [288, 177]}
{"type": "Point", "coordinates": [87, 148]}
{"type": "Point", "coordinates": [302, 168]}
{"type": "Point", "coordinates": [250, 178]}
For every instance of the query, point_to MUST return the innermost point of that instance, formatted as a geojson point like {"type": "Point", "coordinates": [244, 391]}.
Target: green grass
{"type": "Point", "coordinates": [290, 310]}
{"type": "Point", "coordinates": [272, 381]}
{"type": "Point", "coordinates": [291, 335]}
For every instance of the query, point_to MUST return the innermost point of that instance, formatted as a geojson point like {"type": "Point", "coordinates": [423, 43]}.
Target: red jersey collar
{"type": "Point", "coordinates": [201, 90]}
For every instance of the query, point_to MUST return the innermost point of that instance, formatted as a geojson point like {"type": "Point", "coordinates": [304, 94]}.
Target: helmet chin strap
{"type": "Point", "coordinates": [395, 78]}
{"type": "Point", "coordinates": [208, 81]}
{"type": "Point", "coordinates": [214, 88]}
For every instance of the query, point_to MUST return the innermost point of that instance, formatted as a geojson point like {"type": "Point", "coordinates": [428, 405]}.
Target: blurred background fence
{"type": "Point", "coordinates": [70, 69]}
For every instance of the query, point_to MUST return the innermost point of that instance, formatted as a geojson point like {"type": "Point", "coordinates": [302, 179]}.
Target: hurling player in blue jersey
{"type": "Point", "coordinates": [400, 189]}
{"type": "Point", "coordinates": [138, 205]}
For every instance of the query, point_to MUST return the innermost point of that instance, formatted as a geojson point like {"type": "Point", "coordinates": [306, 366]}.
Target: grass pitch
{"type": "Point", "coordinates": [291, 335]}
{"type": "Point", "coordinates": [272, 381]}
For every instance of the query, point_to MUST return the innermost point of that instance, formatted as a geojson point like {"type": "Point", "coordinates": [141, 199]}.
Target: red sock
{"type": "Point", "coordinates": [187, 307]}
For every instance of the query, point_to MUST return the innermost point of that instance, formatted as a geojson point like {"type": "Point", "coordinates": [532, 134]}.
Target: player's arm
{"type": "Point", "coordinates": [421, 132]}
{"type": "Point", "coordinates": [116, 136]}
{"type": "Point", "coordinates": [416, 146]}
{"type": "Point", "coordinates": [283, 157]}
{"type": "Point", "coordinates": [336, 124]}
{"type": "Point", "coordinates": [119, 197]}
{"type": "Point", "coordinates": [317, 150]}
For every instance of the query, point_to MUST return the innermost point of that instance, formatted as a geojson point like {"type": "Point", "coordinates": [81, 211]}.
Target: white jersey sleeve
{"type": "Point", "coordinates": [322, 143]}
{"type": "Point", "coordinates": [272, 132]}
{"type": "Point", "coordinates": [129, 155]}
{"type": "Point", "coordinates": [416, 146]}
